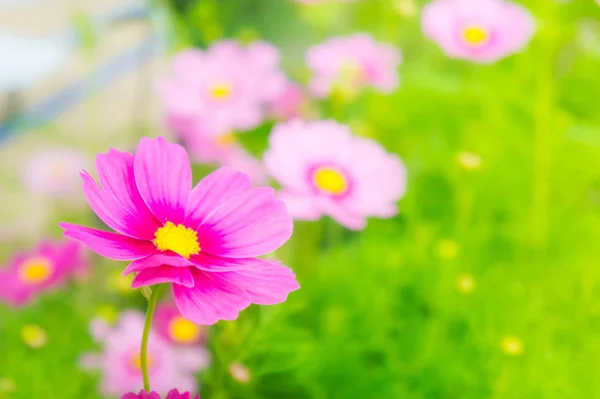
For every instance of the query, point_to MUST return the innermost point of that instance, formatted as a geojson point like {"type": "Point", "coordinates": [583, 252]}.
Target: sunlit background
{"type": "Point", "coordinates": [486, 284]}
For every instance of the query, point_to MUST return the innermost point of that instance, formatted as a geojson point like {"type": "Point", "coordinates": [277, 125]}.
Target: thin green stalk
{"type": "Point", "coordinates": [148, 323]}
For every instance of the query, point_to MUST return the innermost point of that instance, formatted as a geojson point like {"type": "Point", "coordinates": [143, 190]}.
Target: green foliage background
{"type": "Point", "coordinates": [379, 314]}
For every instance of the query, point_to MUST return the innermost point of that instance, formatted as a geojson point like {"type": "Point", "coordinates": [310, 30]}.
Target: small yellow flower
{"type": "Point", "coordinates": [34, 336]}
{"type": "Point", "coordinates": [465, 284]}
{"type": "Point", "coordinates": [512, 346]}
{"type": "Point", "coordinates": [447, 249]}
{"type": "Point", "coordinates": [469, 160]}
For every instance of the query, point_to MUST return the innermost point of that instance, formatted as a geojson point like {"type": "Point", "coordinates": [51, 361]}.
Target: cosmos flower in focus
{"type": "Point", "coordinates": [205, 240]}
{"type": "Point", "coordinates": [45, 268]}
{"type": "Point", "coordinates": [352, 63]}
{"type": "Point", "coordinates": [223, 89]}
{"type": "Point", "coordinates": [54, 172]}
{"type": "Point", "coordinates": [324, 170]}
{"type": "Point", "coordinates": [478, 30]}
{"type": "Point", "coordinates": [173, 394]}
{"type": "Point", "coordinates": [119, 362]}
{"type": "Point", "coordinates": [173, 327]}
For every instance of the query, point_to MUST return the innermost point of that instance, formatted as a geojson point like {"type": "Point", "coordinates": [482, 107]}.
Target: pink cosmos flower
{"type": "Point", "coordinates": [352, 63]}
{"type": "Point", "coordinates": [205, 240]}
{"type": "Point", "coordinates": [223, 89]}
{"type": "Point", "coordinates": [478, 30]}
{"type": "Point", "coordinates": [324, 170]}
{"type": "Point", "coordinates": [173, 394]}
{"type": "Point", "coordinates": [46, 267]}
{"type": "Point", "coordinates": [119, 361]}
{"type": "Point", "coordinates": [290, 104]}
{"type": "Point", "coordinates": [175, 328]}
{"type": "Point", "coordinates": [223, 150]}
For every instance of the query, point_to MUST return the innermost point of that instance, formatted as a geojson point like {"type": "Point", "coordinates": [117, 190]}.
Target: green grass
{"type": "Point", "coordinates": [379, 314]}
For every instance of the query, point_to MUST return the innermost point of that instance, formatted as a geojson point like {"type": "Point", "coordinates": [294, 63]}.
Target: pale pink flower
{"type": "Point", "coordinates": [222, 150]}
{"type": "Point", "coordinates": [173, 327]}
{"type": "Point", "coordinates": [119, 362]}
{"type": "Point", "coordinates": [352, 63]}
{"type": "Point", "coordinates": [45, 268]}
{"type": "Point", "coordinates": [223, 89]}
{"type": "Point", "coordinates": [478, 30]}
{"type": "Point", "coordinates": [324, 170]}
{"type": "Point", "coordinates": [54, 172]}
{"type": "Point", "coordinates": [205, 241]}
{"type": "Point", "coordinates": [292, 103]}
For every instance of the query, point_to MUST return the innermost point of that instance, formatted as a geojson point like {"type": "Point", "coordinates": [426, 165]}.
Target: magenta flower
{"type": "Point", "coordinates": [352, 63]}
{"type": "Point", "coordinates": [46, 267]}
{"type": "Point", "coordinates": [223, 89]}
{"type": "Point", "coordinates": [478, 30]}
{"type": "Point", "coordinates": [205, 240]}
{"type": "Point", "coordinates": [175, 328]}
{"type": "Point", "coordinates": [119, 361]}
{"type": "Point", "coordinates": [173, 394]}
{"type": "Point", "coordinates": [324, 170]}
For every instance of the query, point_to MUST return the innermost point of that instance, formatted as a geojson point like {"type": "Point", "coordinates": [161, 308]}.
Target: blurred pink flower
{"type": "Point", "coordinates": [351, 63]}
{"type": "Point", "coordinates": [204, 241]}
{"type": "Point", "coordinates": [223, 150]}
{"type": "Point", "coordinates": [119, 362]}
{"type": "Point", "coordinates": [478, 30]}
{"type": "Point", "coordinates": [223, 89]}
{"type": "Point", "coordinates": [173, 327]}
{"type": "Point", "coordinates": [290, 104]}
{"type": "Point", "coordinates": [46, 267]}
{"type": "Point", "coordinates": [173, 394]}
{"type": "Point", "coordinates": [324, 170]}
{"type": "Point", "coordinates": [319, 1]}
{"type": "Point", "coordinates": [54, 172]}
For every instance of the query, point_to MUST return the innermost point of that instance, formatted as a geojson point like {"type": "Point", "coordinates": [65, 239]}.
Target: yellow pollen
{"type": "Point", "coordinates": [475, 35]}
{"type": "Point", "coordinates": [183, 330]}
{"type": "Point", "coordinates": [177, 238]}
{"type": "Point", "coordinates": [352, 72]}
{"type": "Point", "coordinates": [226, 140]}
{"type": "Point", "coordinates": [330, 181]}
{"type": "Point", "coordinates": [35, 270]}
{"type": "Point", "coordinates": [221, 91]}
{"type": "Point", "coordinates": [136, 362]}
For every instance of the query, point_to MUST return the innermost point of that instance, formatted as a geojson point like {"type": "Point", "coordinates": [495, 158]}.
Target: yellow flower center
{"type": "Point", "coordinates": [475, 35]}
{"type": "Point", "coordinates": [226, 140]}
{"type": "Point", "coordinates": [136, 362]}
{"type": "Point", "coordinates": [330, 180]}
{"type": "Point", "coordinates": [221, 91]}
{"type": "Point", "coordinates": [184, 331]}
{"type": "Point", "coordinates": [35, 270]}
{"type": "Point", "coordinates": [351, 72]}
{"type": "Point", "coordinates": [177, 238]}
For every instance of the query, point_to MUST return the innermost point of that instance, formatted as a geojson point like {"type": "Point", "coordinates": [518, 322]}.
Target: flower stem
{"type": "Point", "coordinates": [144, 349]}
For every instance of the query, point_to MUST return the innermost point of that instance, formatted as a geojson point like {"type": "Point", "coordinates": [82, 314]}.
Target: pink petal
{"type": "Point", "coordinates": [155, 260]}
{"type": "Point", "coordinates": [115, 173]}
{"type": "Point", "coordinates": [267, 285]}
{"type": "Point", "coordinates": [211, 299]}
{"type": "Point", "coordinates": [300, 206]}
{"type": "Point", "coordinates": [214, 190]}
{"type": "Point", "coordinates": [250, 224]}
{"type": "Point", "coordinates": [164, 178]}
{"type": "Point", "coordinates": [217, 264]}
{"type": "Point", "coordinates": [110, 245]}
{"type": "Point", "coordinates": [164, 274]}
{"type": "Point", "coordinates": [112, 212]}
